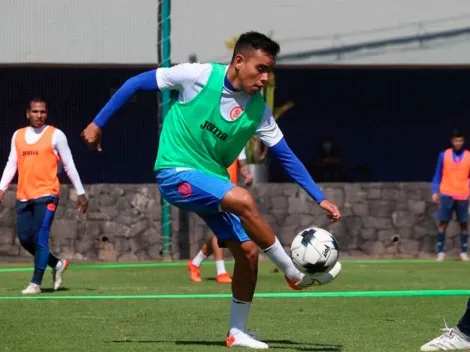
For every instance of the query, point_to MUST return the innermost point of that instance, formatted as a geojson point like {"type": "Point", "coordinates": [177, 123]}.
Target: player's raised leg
{"type": "Point", "coordinates": [457, 338]}
{"type": "Point", "coordinates": [241, 203]}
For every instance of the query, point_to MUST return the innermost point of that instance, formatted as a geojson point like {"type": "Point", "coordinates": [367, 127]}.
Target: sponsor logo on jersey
{"type": "Point", "coordinates": [214, 130]}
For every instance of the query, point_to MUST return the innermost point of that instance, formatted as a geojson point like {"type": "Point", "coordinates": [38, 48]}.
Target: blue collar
{"type": "Point", "coordinates": [229, 85]}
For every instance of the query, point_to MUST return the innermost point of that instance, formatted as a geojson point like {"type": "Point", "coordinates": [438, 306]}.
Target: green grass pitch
{"type": "Point", "coordinates": [142, 308]}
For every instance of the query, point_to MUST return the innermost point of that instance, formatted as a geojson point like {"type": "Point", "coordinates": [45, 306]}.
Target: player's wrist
{"type": "Point", "coordinates": [98, 123]}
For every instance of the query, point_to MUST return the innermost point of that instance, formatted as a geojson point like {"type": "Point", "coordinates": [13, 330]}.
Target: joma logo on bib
{"type": "Point", "coordinates": [214, 130]}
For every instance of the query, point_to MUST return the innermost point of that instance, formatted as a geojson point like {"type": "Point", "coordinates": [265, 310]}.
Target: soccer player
{"type": "Point", "coordinates": [457, 338]}
{"type": "Point", "coordinates": [451, 190]}
{"type": "Point", "coordinates": [219, 108]}
{"type": "Point", "coordinates": [211, 246]}
{"type": "Point", "coordinates": [35, 153]}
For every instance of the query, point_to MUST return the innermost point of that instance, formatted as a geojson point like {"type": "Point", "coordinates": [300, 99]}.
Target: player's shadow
{"type": "Point", "coordinates": [42, 289]}
{"type": "Point", "coordinates": [210, 279]}
{"type": "Point", "coordinates": [303, 346]}
{"type": "Point", "coordinates": [280, 344]}
{"type": "Point", "coordinates": [51, 290]}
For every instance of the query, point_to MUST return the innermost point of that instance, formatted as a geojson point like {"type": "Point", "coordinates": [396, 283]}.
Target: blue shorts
{"type": "Point", "coordinates": [200, 193]}
{"type": "Point", "coordinates": [447, 205]}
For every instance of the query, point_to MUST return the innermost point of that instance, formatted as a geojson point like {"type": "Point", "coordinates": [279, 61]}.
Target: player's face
{"type": "Point", "coordinates": [253, 70]}
{"type": "Point", "coordinates": [457, 142]}
{"type": "Point", "coordinates": [37, 114]}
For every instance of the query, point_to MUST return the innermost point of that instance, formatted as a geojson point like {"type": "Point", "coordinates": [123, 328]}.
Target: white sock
{"type": "Point", "coordinates": [58, 265]}
{"type": "Point", "coordinates": [198, 259]}
{"type": "Point", "coordinates": [281, 259]}
{"type": "Point", "coordinates": [238, 316]}
{"type": "Point", "coordinates": [220, 265]}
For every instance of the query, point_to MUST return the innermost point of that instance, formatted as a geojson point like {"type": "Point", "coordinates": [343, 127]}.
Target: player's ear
{"type": "Point", "coordinates": [239, 60]}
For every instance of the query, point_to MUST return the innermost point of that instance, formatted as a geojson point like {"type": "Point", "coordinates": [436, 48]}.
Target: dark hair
{"type": "Point", "coordinates": [36, 99]}
{"type": "Point", "coordinates": [255, 41]}
{"type": "Point", "coordinates": [456, 133]}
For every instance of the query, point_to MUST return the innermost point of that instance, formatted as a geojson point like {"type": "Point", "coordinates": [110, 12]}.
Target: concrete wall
{"type": "Point", "coordinates": [201, 27]}
{"type": "Point", "coordinates": [124, 31]}
{"type": "Point", "coordinates": [123, 222]}
{"type": "Point", "coordinates": [78, 31]}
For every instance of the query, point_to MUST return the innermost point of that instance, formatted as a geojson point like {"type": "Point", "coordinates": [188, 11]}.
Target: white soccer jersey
{"type": "Point", "coordinates": [189, 79]}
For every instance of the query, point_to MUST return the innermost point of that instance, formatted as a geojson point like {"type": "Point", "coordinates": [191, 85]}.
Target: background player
{"type": "Point", "coordinates": [219, 109]}
{"type": "Point", "coordinates": [35, 153]}
{"type": "Point", "coordinates": [457, 338]}
{"type": "Point", "coordinates": [451, 190]}
{"type": "Point", "coordinates": [211, 246]}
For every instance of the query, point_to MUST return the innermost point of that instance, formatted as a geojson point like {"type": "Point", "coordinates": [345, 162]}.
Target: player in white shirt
{"type": "Point", "coordinates": [219, 108]}
{"type": "Point", "coordinates": [35, 154]}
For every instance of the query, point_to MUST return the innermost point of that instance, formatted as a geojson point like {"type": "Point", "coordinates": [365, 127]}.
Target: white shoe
{"type": "Point", "coordinates": [328, 276]}
{"type": "Point", "coordinates": [464, 257]}
{"type": "Point", "coordinates": [243, 339]}
{"type": "Point", "coordinates": [315, 279]}
{"type": "Point", "coordinates": [440, 256]}
{"type": "Point", "coordinates": [32, 289]}
{"type": "Point", "coordinates": [57, 274]}
{"type": "Point", "coordinates": [450, 340]}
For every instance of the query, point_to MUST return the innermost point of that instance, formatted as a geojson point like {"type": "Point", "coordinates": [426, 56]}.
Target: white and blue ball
{"type": "Point", "coordinates": [314, 250]}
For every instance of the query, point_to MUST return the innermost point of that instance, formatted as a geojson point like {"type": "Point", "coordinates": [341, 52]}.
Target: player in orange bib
{"type": "Point", "coordinates": [211, 246]}
{"type": "Point", "coordinates": [451, 191]}
{"type": "Point", "coordinates": [35, 154]}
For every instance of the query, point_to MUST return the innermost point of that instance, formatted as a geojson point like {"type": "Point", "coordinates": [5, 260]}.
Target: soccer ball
{"type": "Point", "coordinates": [314, 250]}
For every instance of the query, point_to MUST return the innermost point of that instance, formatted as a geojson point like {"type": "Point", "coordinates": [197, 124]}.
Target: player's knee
{"type": "Point", "coordinates": [247, 205]}
{"type": "Point", "coordinates": [24, 237]}
{"type": "Point", "coordinates": [443, 226]}
{"type": "Point", "coordinates": [24, 241]}
{"type": "Point", "coordinates": [251, 253]}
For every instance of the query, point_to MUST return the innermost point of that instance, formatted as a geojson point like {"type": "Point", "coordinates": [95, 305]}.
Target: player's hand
{"type": "Point", "coordinates": [82, 203]}
{"type": "Point", "coordinates": [92, 136]}
{"type": "Point", "coordinates": [246, 174]}
{"type": "Point", "coordinates": [2, 193]}
{"type": "Point", "coordinates": [435, 198]}
{"type": "Point", "coordinates": [332, 210]}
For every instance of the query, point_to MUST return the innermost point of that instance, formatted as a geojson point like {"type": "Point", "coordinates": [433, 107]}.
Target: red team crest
{"type": "Point", "coordinates": [236, 112]}
{"type": "Point", "coordinates": [185, 189]}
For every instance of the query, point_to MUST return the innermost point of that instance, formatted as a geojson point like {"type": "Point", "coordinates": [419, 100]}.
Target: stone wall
{"type": "Point", "coordinates": [123, 221]}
